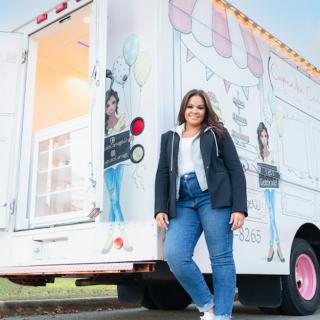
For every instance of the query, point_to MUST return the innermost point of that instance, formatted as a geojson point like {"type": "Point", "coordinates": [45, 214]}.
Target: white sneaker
{"type": "Point", "coordinates": [207, 316]}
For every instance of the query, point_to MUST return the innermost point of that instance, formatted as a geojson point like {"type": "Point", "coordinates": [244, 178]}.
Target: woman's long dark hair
{"type": "Point", "coordinates": [211, 119]}
{"type": "Point", "coordinates": [262, 127]}
{"type": "Point", "coordinates": [109, 94]}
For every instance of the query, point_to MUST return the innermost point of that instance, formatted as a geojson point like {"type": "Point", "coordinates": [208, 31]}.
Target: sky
{"type": "Point", "coordinates": [294, 22]}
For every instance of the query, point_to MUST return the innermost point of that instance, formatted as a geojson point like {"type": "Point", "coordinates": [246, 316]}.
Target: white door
{"type": "Point", "coordinates": [11, 79]}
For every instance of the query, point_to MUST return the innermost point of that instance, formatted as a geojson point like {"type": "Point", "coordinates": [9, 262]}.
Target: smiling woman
{"type": "Point", "coordinates": [195, 112]}
{"type": "Point", "coordinates": [201, 189]}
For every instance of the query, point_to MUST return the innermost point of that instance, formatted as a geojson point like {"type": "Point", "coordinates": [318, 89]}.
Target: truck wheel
{"type": "Point", "coordinates": [147, 302]}
{"type": "Point", "coordinates": [268, 310]}
{"type": "Point", "coordinates": [301, 289]}
{"type": "Point", "coordinates": [169, 297]}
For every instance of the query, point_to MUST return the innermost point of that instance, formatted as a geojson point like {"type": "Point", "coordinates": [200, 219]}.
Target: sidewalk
{"type": "Point", "coordinates": [58, 306]}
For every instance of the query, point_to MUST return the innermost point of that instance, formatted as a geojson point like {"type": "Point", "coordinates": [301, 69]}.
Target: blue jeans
{"type": "Point", "coordinates": [269, 195]}
{"type": "Point", "coordinates": [194, 215]}
{"type": "Point", "coordinates": [112, 179]}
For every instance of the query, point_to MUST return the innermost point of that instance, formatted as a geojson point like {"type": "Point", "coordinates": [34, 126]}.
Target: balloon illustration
{"type": "Point", "coordinates": [120, 70]}
{"type": "Point", "coordinates": [142, 68]}
{"type": "Point", "coordinates": [280, 123]}
{"type": "Point", "coordinates": [131, 49]}
{"type": "Point", "coordinates": [272, 102]}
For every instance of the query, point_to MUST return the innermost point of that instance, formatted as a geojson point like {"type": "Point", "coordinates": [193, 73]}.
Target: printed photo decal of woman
{"type": "Point", "coordinates": [113, 175]}
{"type": "Point", "coordinates": [269, 181]}
{"type": "Point", "coordinates": [113, 124]}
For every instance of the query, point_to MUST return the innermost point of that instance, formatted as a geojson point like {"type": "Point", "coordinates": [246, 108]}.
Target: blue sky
{"type": "Point", "coordinates": [294, 22]}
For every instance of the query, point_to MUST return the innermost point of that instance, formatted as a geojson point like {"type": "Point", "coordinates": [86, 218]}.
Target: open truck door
{"type": "Point", "coordinates": [12, 71]}
{"type": "Point", "coordinates": [57, 181]}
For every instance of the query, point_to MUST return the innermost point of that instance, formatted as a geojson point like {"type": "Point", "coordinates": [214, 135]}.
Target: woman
{"type": "Point", "coordinates": [113, 175]}
{"type": "Point", "coordinates": [269, 193]}
{"type": "Point", "coordinates": [113, 124]}
{"type": "Point", "coordinates": [200, 187]}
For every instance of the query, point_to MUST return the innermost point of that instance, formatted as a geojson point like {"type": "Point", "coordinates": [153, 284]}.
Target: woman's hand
{"type": "Point", "coordinates": [237, 220]}
{"type": "Point", "coordinates": [162, 220]}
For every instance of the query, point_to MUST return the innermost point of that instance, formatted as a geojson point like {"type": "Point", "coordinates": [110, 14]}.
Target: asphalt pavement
{"type": "Point", "coordinates": [18, 309]}
{"type": "Point", "coordinates": [240, 313]}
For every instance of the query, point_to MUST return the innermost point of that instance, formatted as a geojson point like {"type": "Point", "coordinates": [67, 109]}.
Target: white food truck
{"type": "Point", "coordinates": [87, 88]}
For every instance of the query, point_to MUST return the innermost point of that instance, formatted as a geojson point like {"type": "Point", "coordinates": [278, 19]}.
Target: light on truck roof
{"type": "Point", "coordinates": [42, 17]}
{"type": "Point", "coordinates": [62, 6]}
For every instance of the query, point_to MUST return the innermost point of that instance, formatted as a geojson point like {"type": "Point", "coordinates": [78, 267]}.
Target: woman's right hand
{"type": "Point", "coordinates": [162, 220]}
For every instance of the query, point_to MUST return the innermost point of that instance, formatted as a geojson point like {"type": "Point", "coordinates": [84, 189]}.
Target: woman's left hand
{"type": "Point", "coordinates": [237, 220]}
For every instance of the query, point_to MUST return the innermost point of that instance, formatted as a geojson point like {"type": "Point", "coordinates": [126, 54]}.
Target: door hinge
{"type": "Point", "coordinates": [94, 212]}
{"type": "Point", "coordinates": [12, 206]}
{"type": "Point", "coordinates": [24, 56]}
{"type": "Point", "coordinates": [91, 179]}
{"type": "Point", "coordinates": [93, 183]}
{"type": "Point", "coordinates": [95, 74]}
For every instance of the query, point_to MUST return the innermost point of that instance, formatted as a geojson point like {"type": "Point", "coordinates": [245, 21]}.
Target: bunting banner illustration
{"type": "Point", "coordinates": [209, 73]}
{"type": "Point", "coordinates": [245, 91]}
{"type": "Point", "coordinates": [190, 55]}
{"type": "Point", "coordinates": [227, 85]}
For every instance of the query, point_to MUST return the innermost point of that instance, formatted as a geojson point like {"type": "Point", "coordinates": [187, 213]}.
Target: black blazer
{"type": "Point", "coordinates": [225, 177]}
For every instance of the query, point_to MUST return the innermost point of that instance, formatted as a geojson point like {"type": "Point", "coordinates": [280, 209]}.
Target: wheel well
{"type": "Point", "coordinates": [311, 234]}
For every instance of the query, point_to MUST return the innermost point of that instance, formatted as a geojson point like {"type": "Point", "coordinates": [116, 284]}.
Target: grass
{"type": "Point", "coordinates": [62, 288]}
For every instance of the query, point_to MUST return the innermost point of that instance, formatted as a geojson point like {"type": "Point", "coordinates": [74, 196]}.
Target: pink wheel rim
{"type": "Point", "coordinates": [306, 278]}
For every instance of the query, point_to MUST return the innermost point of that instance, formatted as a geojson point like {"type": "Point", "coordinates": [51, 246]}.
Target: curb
{"type": "Point", "coordinates": [59, 306]}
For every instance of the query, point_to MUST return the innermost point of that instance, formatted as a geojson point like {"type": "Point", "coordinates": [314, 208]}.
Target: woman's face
{"type": "Point", "coordinates": [195, 111]}
{"type": "Point", "coordinates": [111, 106]}
{"type": "Point", "coordinates": [264, 138]}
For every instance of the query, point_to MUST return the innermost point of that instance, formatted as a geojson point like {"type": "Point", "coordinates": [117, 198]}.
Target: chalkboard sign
{"type": "Point", "coordinates": [268, 176]}
{"type": "Point", "coordinates": [116, 148]}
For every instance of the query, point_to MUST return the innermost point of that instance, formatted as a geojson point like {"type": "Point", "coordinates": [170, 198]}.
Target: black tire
{"type": "Point", "coordinates": [293, 303]}
{"type": "Point", "coordinates": [147, 301]}
{"type": "Point", "coordinates": [267, 310]}
{"type": "Point", "coordinates": [169, 297]}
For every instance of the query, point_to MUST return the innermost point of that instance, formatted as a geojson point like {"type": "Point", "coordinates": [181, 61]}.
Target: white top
{"type": "Point", "coordinates": [195, 157]}
{"type": "Point", "coordinates": [185, 163]}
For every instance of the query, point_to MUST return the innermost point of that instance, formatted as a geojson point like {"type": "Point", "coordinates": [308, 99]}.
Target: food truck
{"type": "Point", "coordinates": [87, 88]}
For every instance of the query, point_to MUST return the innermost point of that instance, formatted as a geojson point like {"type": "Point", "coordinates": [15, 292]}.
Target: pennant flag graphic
{"type": "Point", "coordinates": [190, 55]}
{"type": "Point", "coordinates": [227, 85]}
{"type": "Point", "coordinates": [245, 90]}
{"type": "Point", "coordinates": [209, 73]}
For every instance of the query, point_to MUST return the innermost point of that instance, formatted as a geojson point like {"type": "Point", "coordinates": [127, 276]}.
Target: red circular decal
{"type": "Point", "coordinates": [118, 243]}
{"type": "Point", "coordinates": [137, 126]}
